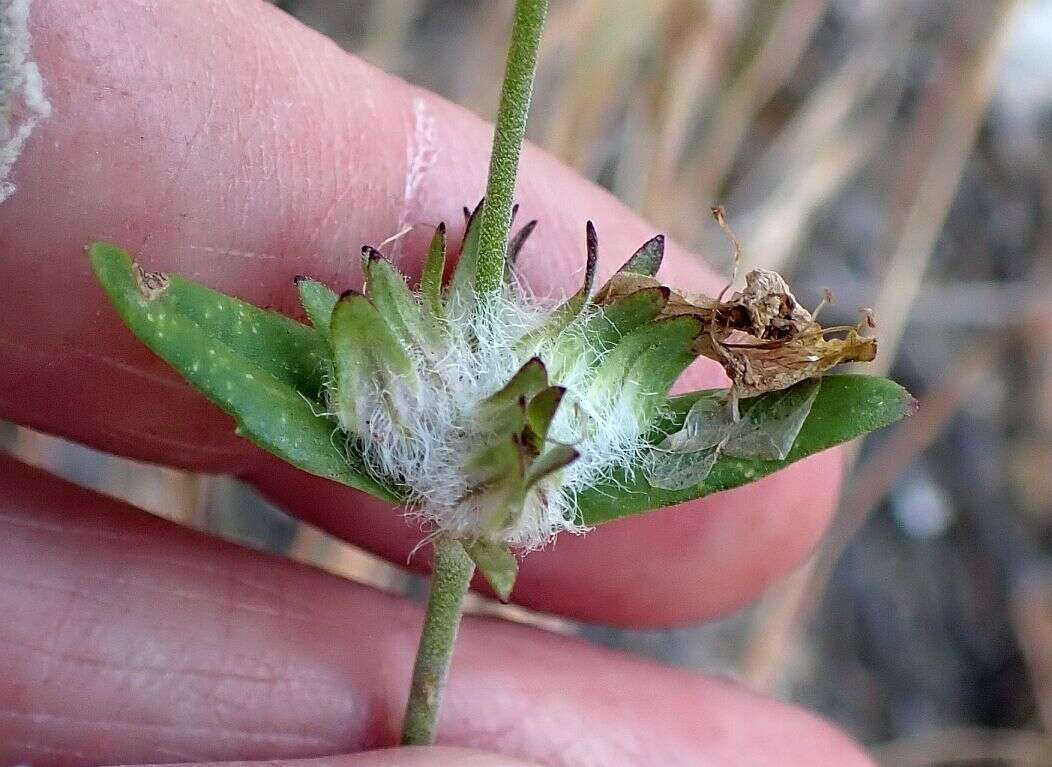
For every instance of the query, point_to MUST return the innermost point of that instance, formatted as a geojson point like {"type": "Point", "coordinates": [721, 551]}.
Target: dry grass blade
{"type": "Point", "coordinates": [775, 227]}
{"type": "Point", "coordinates": [605, 66]}
{"type": "Point", "coordinates": [790, 33]}
{"type": "Point", "coordinates": [697, 51]}
{"type": "Point", "coordinates": [783, 619]}
{"type": "Point", "coordinates": [953, 119]}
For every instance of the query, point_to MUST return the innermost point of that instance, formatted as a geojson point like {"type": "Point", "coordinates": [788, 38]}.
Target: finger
{"type": "Point", "coordinates": [391, 757]}
{"type": "Point", "coordinates": [669, 567]}
{"type": "Point", "coordinates": [127, 639]}
{"type": "Point", "coordinates": [225, 142]}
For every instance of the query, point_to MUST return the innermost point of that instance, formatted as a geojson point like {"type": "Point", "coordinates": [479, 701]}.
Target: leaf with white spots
{"type": "Point", "coordinates": [168, 315]}
{"type": "Point", "coordinates": [291, 352]}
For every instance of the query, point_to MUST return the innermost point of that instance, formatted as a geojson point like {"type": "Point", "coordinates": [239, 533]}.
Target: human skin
{"type": "Point", "coordinates": [225, 142]}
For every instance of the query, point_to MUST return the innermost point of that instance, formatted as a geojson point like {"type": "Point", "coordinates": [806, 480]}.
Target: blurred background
{"type": "Point", "coordinates": [895, 151]}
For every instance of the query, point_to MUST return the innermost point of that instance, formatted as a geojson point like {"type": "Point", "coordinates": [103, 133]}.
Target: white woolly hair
{"type": "Point", "coordinates": [422, 435]}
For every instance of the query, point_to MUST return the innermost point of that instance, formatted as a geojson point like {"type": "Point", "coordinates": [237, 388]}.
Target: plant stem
{"type": "Point", "coordinates": [507, 143]}
{"type": "Point", "coordinates": [450, 577]}
{"type": "Point", "coordinates": [453, 568]}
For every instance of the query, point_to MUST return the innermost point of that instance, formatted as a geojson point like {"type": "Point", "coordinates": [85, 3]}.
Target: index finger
{"type": "Point", "coordinates": [227, 143]}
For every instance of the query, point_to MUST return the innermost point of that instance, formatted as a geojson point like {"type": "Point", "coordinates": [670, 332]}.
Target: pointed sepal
{"type": "Point", "coordinates": [647, 260]}
{"type": "Point", "coordinates": [434, 269]}
{"type": "Point", "coordinates": [462, 284]}
{"type": "Point", "coordinates": [369, 360]}
{"type": "Point", "coordinates": [387, 290]}
{"type": "Point", "coordinates": [497, 564]}
{"type": "Point", "coordinates": [318, 302]}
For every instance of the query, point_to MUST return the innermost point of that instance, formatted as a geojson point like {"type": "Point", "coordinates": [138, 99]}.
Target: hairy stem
{"type": "Point", "coordinates": [450, 578]}
{"type": "Point", "coordinates": [507, 143]}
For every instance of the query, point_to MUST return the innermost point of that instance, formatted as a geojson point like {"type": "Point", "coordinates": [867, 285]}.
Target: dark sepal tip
{"type": "Point", "coordinates": [350, 293]}
{"type": "Point", "coordinates": [591, 241]}
{"type": "Point", "coordinates": [471, 215]}
{"type": "Point", "coordinates": [298, 279]}
{"type": "Point", "coordinates": [441, 227]}
{"type": "Point", "coordinates": [371, 253]}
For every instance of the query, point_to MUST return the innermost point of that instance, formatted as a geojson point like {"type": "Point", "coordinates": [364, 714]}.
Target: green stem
{"type": "Point", "coordinates": [507, 144]}
{"type": "Point", "coordinates": [450, 578]}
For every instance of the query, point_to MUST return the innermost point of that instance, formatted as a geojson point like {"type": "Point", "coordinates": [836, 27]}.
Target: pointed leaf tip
{"type": "Point", "coordinates": [549, 462]}
{"type": "Point", "coordinates": [647, 260]}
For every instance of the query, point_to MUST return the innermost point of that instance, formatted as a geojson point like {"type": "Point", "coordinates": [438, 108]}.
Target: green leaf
{"type": "Point", "coordinates": [496, 463]}
{"type": "Point", "coordinates": [269, 410]}
{"type": "Point", "coordinates": [434, 269]}
{"type": "Point", "coordinates": [846, 407]}
{"type": "Point", "coordinates": [318, 301]}
{"type": "Point", "coordinates": [647, 361]}
{"type": "Point", "coordinates": [504, 411]}
{"type": "Point", "coordinates": [286, 349]}
{"type": "Point", "coordinates": [495, 478]}
{"type": "Point", "coordinates": [497, 565]}
{"type": "Point", "coordinates": [647, 260]}
{"type": "Point", "coordinates": [624, 315]}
